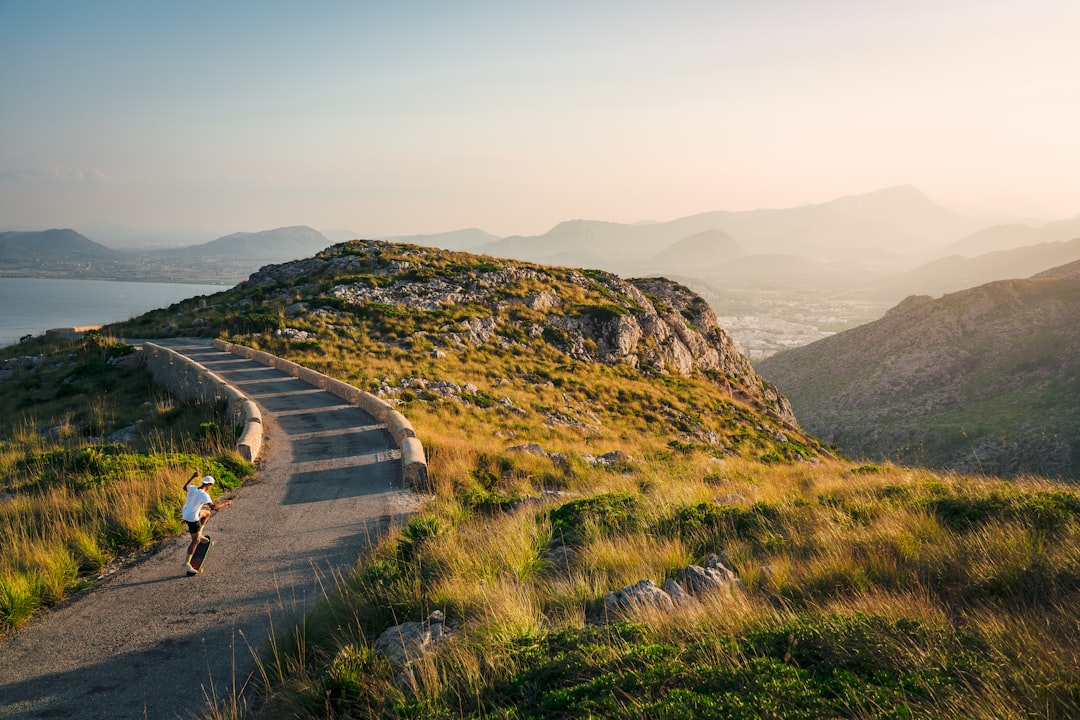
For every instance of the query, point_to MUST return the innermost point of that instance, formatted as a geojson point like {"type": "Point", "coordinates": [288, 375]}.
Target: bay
{"type": "Point", "coordinates": [30, 306]}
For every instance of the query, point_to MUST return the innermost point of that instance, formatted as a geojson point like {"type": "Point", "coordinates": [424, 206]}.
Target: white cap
{"type": "Point", "coordinates": [208, 480]}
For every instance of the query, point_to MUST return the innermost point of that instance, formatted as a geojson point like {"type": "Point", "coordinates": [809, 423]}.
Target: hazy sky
{"type": "Point", "coordinates": [409, 117]}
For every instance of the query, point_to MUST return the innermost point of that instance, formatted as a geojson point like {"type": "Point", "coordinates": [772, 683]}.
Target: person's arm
{"type": "Point", "coordinates": [218, 506]}
{"type": "Point", "coordinates": [188, 482]}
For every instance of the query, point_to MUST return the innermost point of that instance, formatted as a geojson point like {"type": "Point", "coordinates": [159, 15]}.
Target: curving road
{"type": "Point", "coordinates": [148, 642]}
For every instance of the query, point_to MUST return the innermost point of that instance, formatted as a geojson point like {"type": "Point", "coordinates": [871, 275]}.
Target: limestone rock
{"type": "Point", "coordinates": [641, 595]}
{"type": "Point", "coordinates": [529, 448]}
{"type": "Point", "coordinates": [705, 580]}
{"type": "Point", "coordinates": [678, 594]}
{"type": "Point", "coordinates": [405, 643]}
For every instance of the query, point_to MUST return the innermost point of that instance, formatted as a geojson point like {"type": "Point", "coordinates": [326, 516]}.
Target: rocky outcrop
{"type": "Point", "coordinates": [406, 643]}
{"type": "Point", "coordinates": [690, 585]}
{"type": "Point", "coordinates": [653, 324]}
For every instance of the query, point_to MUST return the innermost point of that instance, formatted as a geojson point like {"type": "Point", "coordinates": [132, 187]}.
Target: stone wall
{"type": "Point", "coordinates": [413, 461]}
{"type": "Point", "coordinates": [188, 380]}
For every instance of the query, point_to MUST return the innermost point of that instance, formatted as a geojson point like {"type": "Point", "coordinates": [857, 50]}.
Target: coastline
{"type": "Point", "coordinates": [38, 306]}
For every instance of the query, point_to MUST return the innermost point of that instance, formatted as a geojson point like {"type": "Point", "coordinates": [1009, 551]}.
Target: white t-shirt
{"type": "Point", "coordinates": [196, 498]}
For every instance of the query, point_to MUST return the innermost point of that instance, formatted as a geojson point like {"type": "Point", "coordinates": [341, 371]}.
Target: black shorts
{"type": "Point", "coordinates": [193, 527]}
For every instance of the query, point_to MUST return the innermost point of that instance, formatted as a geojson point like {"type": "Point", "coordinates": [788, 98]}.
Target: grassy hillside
{"type": "Point", "coordinates": [91, 462]}
{"type": "Point", "coordinates": [558, 477]}
{"type": "Point", "coordinates": [983, 380]}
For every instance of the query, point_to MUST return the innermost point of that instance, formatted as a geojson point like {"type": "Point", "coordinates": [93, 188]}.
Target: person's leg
{"type": "Point", "coordinates": [196, 530]}
{"type": "Point", "coordinates": [195, 537]}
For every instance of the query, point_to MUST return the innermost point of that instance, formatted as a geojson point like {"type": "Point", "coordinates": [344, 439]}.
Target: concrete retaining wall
{"type": "Point", "coordinates": [413, 461]}
{"type": "Point", "coordinates": [188, 380]}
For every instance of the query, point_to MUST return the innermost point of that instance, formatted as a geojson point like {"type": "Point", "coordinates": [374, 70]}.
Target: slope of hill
{"type": "Point", "coordinates": [29, 246]}
{"type": "Point", "coordinates": [467, 240]}
{"type": "Point", "coordinates": [707, 249]}
{"type": "Point", "coordinates": [1008, 237]}
{"type": "Point", "coordinates": [1070, 270]}
{"type": "Point", "coordinates": [279, 245]}
{"type": "Point", "coordinates": [60, 254]}
{"type": "Point", "coordinates": [607, 536]}
{"type": "Point", "coordinates": [953, 273]}
{"type": "Point", "coordinates": [986, 379]}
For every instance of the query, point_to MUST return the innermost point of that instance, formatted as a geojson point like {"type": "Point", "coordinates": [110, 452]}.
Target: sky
{"type": "Point", "coordinates": [420, 117]}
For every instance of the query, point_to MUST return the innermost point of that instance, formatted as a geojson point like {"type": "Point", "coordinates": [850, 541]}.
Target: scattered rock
{"type": "Point", "coordinates": [294, 334]}
{"type": "Point", "coordinates": [678, 594]}
{"type": "Point", "coordinates": [730, 499]}
{"type": "Point", "coordinates": [704, 580]}
{"type": "Point", "coordinates": [543, 301]}
{"type": "Point", "coordinates": [406, 643]}
{"type": "Point", "coordinates": [689, 584]}
{"type": "Point", "coordinates": [127, 435]}
{"type": "Point", "coordinates": [639, 596]}
{"type": "Point", "coordinates": [561, 557]}
{"type": "Point", "coordinates": [529, 448]}
{"type": "Point", "coordinates": [616, 457]}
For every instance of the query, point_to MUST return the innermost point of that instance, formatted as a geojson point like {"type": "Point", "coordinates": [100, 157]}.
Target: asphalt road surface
{"type": "Point", "coordinates": [149, 642]}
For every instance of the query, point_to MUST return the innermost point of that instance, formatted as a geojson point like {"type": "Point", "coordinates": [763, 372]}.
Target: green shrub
{"type": "Point", "coordinates": [415, 534]}
{"type": "Point", "coordinates": [88, 554]}
{"type": "Point", "coordinates": [610, 513]}
{"type": "Point", "coordinates": [18, 600]}
{"type": "Point", "coordinates": [1043, 511]}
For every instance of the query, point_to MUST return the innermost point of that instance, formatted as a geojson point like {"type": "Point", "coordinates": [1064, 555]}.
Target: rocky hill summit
{"type": "Point", "coordinates": [983, 380]}
{"type": "Point", "coordinates": [653, 325]}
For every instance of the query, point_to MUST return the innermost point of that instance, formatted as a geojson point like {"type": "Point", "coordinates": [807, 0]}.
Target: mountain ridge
{"type": "Point", "coordinates": [980, 380]}
{"type": "Point", "coordinates": [276, 245]}
{"type": "Point", "coordinates": [54, 244]}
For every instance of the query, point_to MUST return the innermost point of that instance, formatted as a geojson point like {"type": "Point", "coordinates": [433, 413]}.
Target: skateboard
{"type": "Point", "coordinates": [200, 555]}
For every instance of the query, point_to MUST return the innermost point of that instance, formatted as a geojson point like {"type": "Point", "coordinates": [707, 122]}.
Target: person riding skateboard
{"type": "Point", "coordinates": [196, 512]}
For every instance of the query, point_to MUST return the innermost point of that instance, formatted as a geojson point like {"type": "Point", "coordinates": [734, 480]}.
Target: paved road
{"type": "Point", "coordinates": [148, 642]}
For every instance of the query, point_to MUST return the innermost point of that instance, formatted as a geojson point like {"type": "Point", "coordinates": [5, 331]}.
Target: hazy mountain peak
{"type": "Point", "coordinates": [53, 243]}
{"type": "Point", "coordinates": [277, 245]}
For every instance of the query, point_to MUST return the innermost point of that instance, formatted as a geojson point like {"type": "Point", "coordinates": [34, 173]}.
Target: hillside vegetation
{"type": "Point", "coordinates": [573, 456]}
{"type": "Point", "coordinates": [91, 462]}
{"type": "Point", "coordinates": [984, 380]}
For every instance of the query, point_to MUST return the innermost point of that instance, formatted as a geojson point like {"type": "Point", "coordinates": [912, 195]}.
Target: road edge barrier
{"type": "Point", "coordinates": [190, 380]}
{"type": "Point", "coordinates": [414, 467]}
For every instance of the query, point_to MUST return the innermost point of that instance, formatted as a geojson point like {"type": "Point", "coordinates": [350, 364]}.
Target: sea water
{"type": "Point", "coordinates": [30, 306]}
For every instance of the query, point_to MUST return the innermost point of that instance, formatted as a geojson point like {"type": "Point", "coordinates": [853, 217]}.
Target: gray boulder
{"type": "Point", "coordinates": [643, 594]}
{"type": "Point", "coordinates": [678, 594]}
{"type": "Point", "coordinates": [404, 644]}
{"type": "Point", "coordinates": [708, 579]}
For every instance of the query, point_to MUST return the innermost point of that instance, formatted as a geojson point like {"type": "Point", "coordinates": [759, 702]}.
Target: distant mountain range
{"type": "Point", "coordinates": [19, 247]}
{"type": "Point", "coordinates": [983, 380]}
{"type": "Point", "coordinates": [226, 260]}
{"type": "Point", "coordinates": [1007, 237]}
{"type": "Point", "coordinates": [891, 221]}
{"type": "Point", "coordinates": [879, 246]}
{"type": "Point", "coordinates": [955, 272]}
{"type": "Point", "coordinates": [280, 245]}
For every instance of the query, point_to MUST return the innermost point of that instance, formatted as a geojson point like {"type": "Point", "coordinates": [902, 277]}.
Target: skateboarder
{"type": "Point", "coordinates": [196, 512]}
